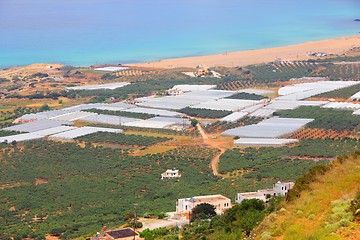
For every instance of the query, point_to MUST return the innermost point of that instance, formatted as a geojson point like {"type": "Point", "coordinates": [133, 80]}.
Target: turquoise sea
{"type": "Point", "coordinates": [85, 32]}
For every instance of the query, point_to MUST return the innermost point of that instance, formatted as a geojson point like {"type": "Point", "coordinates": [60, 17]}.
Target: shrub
{"type": "Point", "coordinates": [202, 211]}
{"type": "Point", "coordinates": [161, 216]}
{"type": "Point", "coordinates": [44, 107]}
{"type": "Point", "coordinates": [355, 205]}
{"type": "Point", "coordinates": [304, 181]}
{"type": "Point", "coordinates": [204, 113]}
{"type": "Point", "coordinates": [266, 236]}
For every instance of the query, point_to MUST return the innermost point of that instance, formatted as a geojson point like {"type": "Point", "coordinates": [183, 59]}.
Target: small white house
{"type": "Point", "coordinates": [171, 173]}
{"type": "Point", "coordinates": [281, 188]}
{"type": "Point", "coordinates": [111, 69]}
{"type": "Point", "coordinates": [185, 205]}
{"type": "Point", "coordinates": [174, 91]}
{"type": "Point", "coordinates": [263, 195]}
{"type": "Point", "coordinates": [249, 195]}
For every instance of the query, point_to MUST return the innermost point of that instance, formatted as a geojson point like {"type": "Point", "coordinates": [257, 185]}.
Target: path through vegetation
{"type": "Point", "coordinates": [214, 143]}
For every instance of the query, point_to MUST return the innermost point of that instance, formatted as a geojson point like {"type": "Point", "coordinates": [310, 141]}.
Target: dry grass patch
{"type": "Point", "coordinates": [318, 213]}
{"type": "Point", "coordinates": [153, 150]}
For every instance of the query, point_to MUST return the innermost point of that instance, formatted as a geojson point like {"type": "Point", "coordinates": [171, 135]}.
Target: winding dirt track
{"type": "Point", "coordinates": [214, 163]}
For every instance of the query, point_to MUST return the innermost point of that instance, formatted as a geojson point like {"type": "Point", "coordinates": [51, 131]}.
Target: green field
{"type": "Point", "coordinates": [84, 188]}
{"type": "Point", "coordinates": [327, 118]}
{"type": "Point", "coordinates": [7, 133]}
{"type": "Point", "coordinates": [284, 162]}
{"type": "Point", "coordinates": [146, 88]}
{"type": "Point", "coordinates": [204, 113]}
{"type": "Point", "coordinates": [72, 189]}
{"type": "Point", "coordinates": [282, 71]}
{"type": "Point", "coordinates": [121, 113]}
{"type": "Point", "coordinates": [122, 139]}
{"type": "Point", "coordinates": [248, 96]}
{"type": "Point", "coordinates": [343, 93]}
{"type": "Point", "coordinates": [222, 126]}
{"type": "Point", "coordinates": [342, 71]}
{"type": "Point", "coordinates": [88, 187]}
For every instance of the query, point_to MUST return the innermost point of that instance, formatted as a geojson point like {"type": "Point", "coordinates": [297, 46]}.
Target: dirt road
{"type": "Point", "coordinates": [214, 163]}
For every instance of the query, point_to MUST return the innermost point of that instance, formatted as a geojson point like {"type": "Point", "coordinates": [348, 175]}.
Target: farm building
{"type": "Point", "coordinates": [279, 189]}
{"type": "Point", "coordinates": [226, 104]}
{"type": "Point", "coordinates": [35, 135]}
{"type": "Point", "coordinates": [72, 116]}
{"type": "Point", "coordinates": [98, 105]}
{"type": "Point", "coordinates": [121, 234]}
{"type": "Point", "coordinates": [184, 100]}
{"type": "Point", "coordinates": [20, 138]}
{"type": "Point", "coordinates": [56, 114]}
{"type": "Point", "coordinates": [53, 114]}
{"type": "Point", "coordinates": [306, 90]}
{"type": "Point", "coordinates": [185, 205]}
{"type": "Point", "coordinates": [342, 105]}
{"type": "Point", "coordinates": [153, 111]}
{"type": "Point", "coordinates": [161, 122]}
{"type": "Point", "coordinates": [263, 195]}
{"type": "Point", "coordinates": [270, 128]}
{"type": "Point", "coordinates": [36, 125]}
{"type": "Point", "coordinates": [192, 88]}
{"type": "Point", "coordinates": [292, 104]}
{"type": "Point", "coordinates": [357, 112]}
{"type": "Point", "coordinates": [262, 113]}
{"type": "Point", "coordinates": [355, 97]}
{"type": "Point", "coordinates": [79, 132]}
{"type": "Point", "coordinates": [263, 142]}
{"type": "Point", "coordinates": [110, 86]}
{"type": "Point", "coordinates": [171, 173]}
{"type": "Point", "coordinates": [234, 117]}
{"type": "Point", "coordinates": [109, 119]}
{"type": "Point", "coordinates": [42, 115]}
{"type": "Point", "coordinates": [111, 69]}
{"type": "Point", "coordinates": [256, 91]}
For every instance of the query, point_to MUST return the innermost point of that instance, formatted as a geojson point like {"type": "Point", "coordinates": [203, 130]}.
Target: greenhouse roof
{"type": "Point", "coordinates": [37, 125]}
{"type": "Point", "coordinates": [82, 132]}
{"type": "Point", "coordinates": [263, 142]}
{"type": "Point", "coordinates": [271, 128]}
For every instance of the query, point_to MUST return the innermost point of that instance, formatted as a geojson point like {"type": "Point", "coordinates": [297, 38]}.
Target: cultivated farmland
{"type": "Point", "coordinates": [122, 139]}
{"type": "Point", "coordinates": [339, 120]}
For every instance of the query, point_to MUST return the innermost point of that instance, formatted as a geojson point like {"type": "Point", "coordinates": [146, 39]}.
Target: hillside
{"type": "Point", "coordinates": [320, 212]}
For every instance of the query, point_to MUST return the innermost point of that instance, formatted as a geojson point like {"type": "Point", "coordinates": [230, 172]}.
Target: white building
{"type": "Point", "coordinates": [111, 69]}
{"type": "Point", "coordinates": [279, 189]}
{"type": "Point", "coordinates": [263, 195]}
{"type": "Point", "coordinates": [185, 205]}
{"type": "Point", "coordinates": [175, 91]}
{"type": "Point", "coordinates": [249, 195]}
{"type": "Point", "coordinates": [355, 97]}
{"type": "Point", "coordinates": [171, 173]}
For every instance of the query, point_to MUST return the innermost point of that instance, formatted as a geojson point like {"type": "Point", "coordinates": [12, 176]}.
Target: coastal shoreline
{"type": "Point", "coordinates": [297, 52]}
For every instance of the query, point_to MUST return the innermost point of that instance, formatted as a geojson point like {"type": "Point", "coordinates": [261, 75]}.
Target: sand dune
{"type": "Point", "coordinates": [289, 53]}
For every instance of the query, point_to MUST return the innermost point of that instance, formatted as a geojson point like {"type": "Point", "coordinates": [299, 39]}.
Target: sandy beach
{"type": "Point", "coordinates": [288, 53]}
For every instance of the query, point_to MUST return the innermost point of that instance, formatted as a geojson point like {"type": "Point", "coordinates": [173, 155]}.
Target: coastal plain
{"type": "Point", "coordinates": [298, 52]}
{"type": "Point", "coordinates": [46, 182]}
